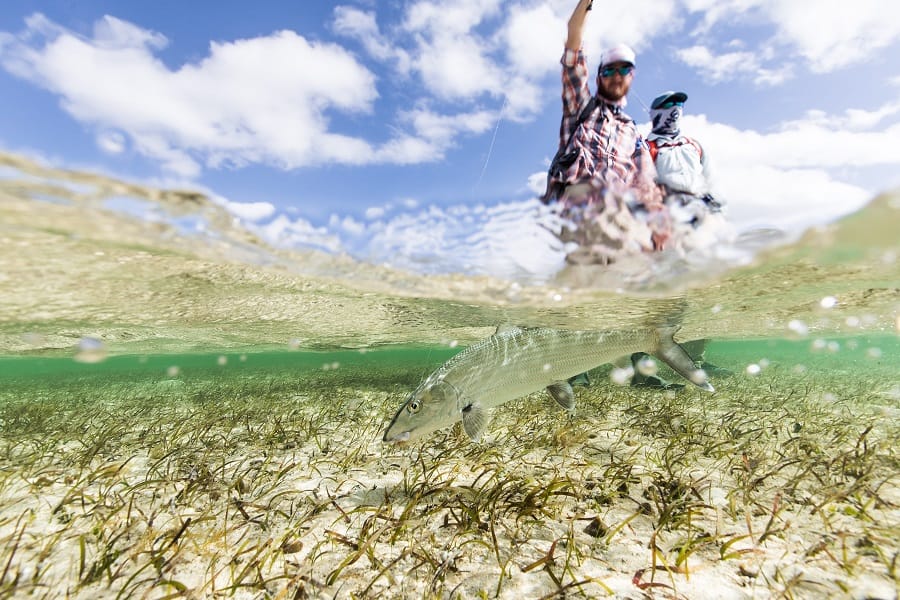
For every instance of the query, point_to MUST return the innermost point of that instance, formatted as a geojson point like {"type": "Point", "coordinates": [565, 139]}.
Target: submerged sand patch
{"type": "Point", "coordinates": [274, 485]}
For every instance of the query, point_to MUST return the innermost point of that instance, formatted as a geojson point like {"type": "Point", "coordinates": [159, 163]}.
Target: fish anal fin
{"type": "Point", "coordinates": [475, 420]}
{"type": "Point", "coordinates": [562, 392]}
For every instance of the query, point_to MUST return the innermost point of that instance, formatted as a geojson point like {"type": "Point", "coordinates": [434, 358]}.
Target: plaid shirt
{"type": "Point", "coordinates": [612, 154]}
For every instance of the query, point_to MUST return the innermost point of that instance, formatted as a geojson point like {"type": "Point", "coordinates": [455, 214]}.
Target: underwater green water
{"type": "Point", "coordinates": [22, 370]}
{"type": "Point", "coordinates": [860, 357]}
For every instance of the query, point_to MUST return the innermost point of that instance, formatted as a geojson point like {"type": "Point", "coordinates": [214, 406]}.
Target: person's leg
{"type": "Point", "coordinates": [644, 377]}
{"type": "Point", "coordinates": [582, 379]}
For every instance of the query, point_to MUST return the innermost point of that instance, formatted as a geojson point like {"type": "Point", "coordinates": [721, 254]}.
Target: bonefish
{"type": "Point", "coordinates": [515, 362]}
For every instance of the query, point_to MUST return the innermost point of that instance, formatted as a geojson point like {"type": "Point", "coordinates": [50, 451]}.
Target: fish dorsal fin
{"type": "Point", "coordinates": [562, 392]}
{"type": "Point", "coordinates": [506, 327]}
{"type": "Point", "coordinates": [474, 420]}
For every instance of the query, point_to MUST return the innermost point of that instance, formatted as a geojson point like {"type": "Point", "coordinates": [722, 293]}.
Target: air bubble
{"type": "Point", "coordinates": [90, 350]}
{"type": "Point", "coordinates": [798, 327]}
{"type": "Point", "coordinates": [753, 369]}
{"type": "Point", "coordinates": [647, 367]}
{"type": "Point", "coordinates": [173, 371]}
{"type": "Point", "coordinates": [621, 376]}
{"type": "Point", "coordinates": [222, 361]}
{"type": "Point", "coordinates": [873, 353]}
{"type": "Point", "coordinates": [828, 302]}
{"type": "Point", "coordinates": [699, 377]}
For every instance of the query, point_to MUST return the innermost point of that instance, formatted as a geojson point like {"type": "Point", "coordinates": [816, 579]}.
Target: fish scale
{"type": "Point", "coordinates": [515, 362]}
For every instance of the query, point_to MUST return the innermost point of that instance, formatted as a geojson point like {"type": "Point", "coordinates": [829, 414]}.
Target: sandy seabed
{"type": "Point", "coordinates": [783, 485]}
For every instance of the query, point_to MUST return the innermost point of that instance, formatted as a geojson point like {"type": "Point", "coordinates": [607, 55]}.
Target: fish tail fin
{"type": "Point", "coordinates": [671, 353]}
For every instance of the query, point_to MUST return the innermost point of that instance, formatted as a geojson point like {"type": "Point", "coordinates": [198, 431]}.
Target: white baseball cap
{"type": "Point", "coordinates": [618, 53]}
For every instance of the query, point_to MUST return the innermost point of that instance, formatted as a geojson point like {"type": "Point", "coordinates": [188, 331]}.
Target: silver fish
{"type": "Point", "coordinates": [515, 362]}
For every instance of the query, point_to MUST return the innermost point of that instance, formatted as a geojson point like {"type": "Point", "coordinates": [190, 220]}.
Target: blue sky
{"type": "Point", "coordinates": [348, 125]}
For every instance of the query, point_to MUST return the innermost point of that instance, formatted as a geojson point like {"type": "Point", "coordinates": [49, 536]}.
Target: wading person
{"type": "Point", "coordinates": [682, 164]}
{"type": "Point", "coordinates": [682, 172]}
{"type": "Point", "coordinates": [603, 174]}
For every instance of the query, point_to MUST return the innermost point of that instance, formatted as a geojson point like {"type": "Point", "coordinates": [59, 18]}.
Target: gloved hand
{"type": "Point", "coordinates": [713, 204]}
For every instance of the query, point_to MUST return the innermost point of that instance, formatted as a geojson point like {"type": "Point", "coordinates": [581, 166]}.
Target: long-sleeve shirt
{"type": "Point", "coordinates": [681, 164]}
{"type": "Point", "coordinates": [611, 153]}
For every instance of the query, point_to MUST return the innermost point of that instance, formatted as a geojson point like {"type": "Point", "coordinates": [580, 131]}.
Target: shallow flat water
{"type": "Point", "coordinates": [200, 414]}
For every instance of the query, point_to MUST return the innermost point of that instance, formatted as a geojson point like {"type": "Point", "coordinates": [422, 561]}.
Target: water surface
{"type": "Point", "coordinates": [189, 410]}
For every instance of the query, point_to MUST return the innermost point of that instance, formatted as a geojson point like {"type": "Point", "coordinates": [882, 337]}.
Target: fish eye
{"type": "Point", "coordinates": [414, 406]}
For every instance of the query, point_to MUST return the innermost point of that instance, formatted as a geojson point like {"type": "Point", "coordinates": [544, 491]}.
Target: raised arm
{"type": "Point", "coordinates": [576, 24]}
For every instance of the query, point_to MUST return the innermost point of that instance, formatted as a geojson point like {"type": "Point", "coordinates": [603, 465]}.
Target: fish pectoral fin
{"type": "Point", "coordinates": [562, 392]}
{"type": "Point", "coordinates": [475, 420]}
{"type": "Point", "coordinates": [674, 355]}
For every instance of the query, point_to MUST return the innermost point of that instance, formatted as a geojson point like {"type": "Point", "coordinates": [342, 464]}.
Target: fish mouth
{"type": "Point", "coordinates": [397, 438]}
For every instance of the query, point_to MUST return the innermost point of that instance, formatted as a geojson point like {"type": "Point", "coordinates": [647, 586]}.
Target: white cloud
{"type": "Point", "coordinates": [265, 99]}
{"type": "Point", "coordinates": [635, 23]}
{"type": "Point", "coordinates": [268, 100]}
{"type": "Point", "coordinates": [802, 144]}
{"type": "Point", "coordinates": [443, 128]}
{"type": "Point", "coordinates": [537, 183]}
{"type": "Point", "coordinates": [111, 142]}
{"type": "Point", "coordinates": [731, 65]}
{"type": "Point", "coordinates": [857, 119]}
{"type": "Point", "coordinates": [434, 133]}
{"type": "Point", "coordinates": [832, 34]}
{"type": "Point", "coordinates": [375, 212]}
{"type": "Point", "coordinates": [285, 232]}
{"type": "Point", "coordinates": [451, 17]}
{"type": "Point", "coordinates": [453, 62]}
{"type": "Point", "coordinates": [249, 211]}
{"type": "Point", "coordinates": [347, 224]}
{"type": "Point", "coordinates": [828, 34]}
{"type": "Point", "coordinates": [791, 199]}
{"type": "Point", "coordinates": [361, 26]}
{"type": "Point", "coordinates": [534, 39]}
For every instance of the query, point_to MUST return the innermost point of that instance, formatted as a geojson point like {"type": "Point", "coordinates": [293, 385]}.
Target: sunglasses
{"type": "Point", "coordinates": [671, 103]}
{"type": "Point", "coordinates": [623, 71]}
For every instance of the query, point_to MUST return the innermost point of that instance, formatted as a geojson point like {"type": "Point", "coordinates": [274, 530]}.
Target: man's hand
{"type": "Point", "coordinates": [576, 24]}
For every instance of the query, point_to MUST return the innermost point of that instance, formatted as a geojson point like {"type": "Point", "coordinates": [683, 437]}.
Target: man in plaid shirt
{"type": "Point", "coordinates": [603, 161]}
